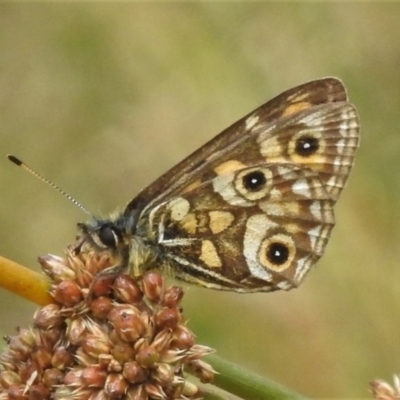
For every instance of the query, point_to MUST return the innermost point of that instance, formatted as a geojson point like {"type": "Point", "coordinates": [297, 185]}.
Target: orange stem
{"type": "Point", "coordinates": [24, 282]}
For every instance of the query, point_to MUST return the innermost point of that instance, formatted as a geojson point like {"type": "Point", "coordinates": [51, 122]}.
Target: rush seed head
{"type": "Point", "coordinates": [103, 337]}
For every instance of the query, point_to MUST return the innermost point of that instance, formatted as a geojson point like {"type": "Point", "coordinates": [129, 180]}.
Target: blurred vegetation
{"type": "Point", "coordinates": [103, 98]}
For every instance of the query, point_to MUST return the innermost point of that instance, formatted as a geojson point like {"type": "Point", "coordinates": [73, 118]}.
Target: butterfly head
{"type": "Point", "coordinates": [119, 238]}
{"type": "Point", "coordinates": [113, 234]}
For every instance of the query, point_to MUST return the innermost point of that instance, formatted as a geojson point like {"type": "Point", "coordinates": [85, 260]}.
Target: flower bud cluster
{"type": "Point", "coordinates": [104, 337]}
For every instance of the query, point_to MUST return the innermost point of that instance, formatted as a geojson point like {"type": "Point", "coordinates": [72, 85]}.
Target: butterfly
{"type": "Point", "coordinates": [252, 209]}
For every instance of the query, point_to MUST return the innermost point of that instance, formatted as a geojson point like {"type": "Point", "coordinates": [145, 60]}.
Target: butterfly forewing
{"type": "Point", "coordinates": [323, 138]}
{"type": "Point", "coordinates": [198, 166]}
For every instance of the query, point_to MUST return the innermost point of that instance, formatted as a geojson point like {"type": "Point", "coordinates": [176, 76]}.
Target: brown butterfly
{"type": "Point", "coordinates": [252, 209]}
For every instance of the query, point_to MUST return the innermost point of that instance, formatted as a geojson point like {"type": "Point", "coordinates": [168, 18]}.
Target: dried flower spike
{"type": "Point", "coordinates": [103, 337]}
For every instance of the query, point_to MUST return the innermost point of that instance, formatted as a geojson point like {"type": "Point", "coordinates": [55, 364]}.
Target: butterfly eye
{"type": "Point", "coordinates": [254, 181]}
{"type": "Point", "coordinates": [306, 146]}
{"type": "Point", "coordinates": [253, 184]}
{"type": "Point", "coordinates": [108, 235]}
{"type": "Point", "coordinates": [277, 253]}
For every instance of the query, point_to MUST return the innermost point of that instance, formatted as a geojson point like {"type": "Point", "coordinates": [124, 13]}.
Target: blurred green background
{"type": "Point", "coordinates": [103, 98]}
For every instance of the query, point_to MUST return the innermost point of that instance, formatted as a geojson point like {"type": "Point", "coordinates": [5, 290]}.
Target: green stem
{"type": "Point", "coordinates": [210, 395]}
{"type": "Point", "coordinates": [247, 385]}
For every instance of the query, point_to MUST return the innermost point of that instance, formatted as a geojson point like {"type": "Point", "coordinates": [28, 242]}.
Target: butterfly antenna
{"type": "Point", "coordinates": [21, 164]}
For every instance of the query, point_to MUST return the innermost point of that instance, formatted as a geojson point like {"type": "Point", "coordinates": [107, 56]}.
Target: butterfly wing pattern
{"type": "Point", "coordinates": [252, 209]}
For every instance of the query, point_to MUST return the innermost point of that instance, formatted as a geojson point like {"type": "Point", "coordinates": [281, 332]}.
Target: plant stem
{"type": "Point", "coordinates": [247, 385]}
{"type": "Point", "coordinates": [24, 282]}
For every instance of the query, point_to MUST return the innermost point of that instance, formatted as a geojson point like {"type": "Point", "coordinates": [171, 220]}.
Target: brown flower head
{"type": "Point", "coordinates": [103, 337]}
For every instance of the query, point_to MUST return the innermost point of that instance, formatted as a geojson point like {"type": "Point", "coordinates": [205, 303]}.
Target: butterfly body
{"type": "Point", "coordinates": [251, 210]}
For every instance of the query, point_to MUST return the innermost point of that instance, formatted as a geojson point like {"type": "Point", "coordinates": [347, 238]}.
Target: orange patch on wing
{"type": "Point", "coordinates": [220, 220]}
{"type": "Point", "coordinates": [192, 186]}
{"type": "Point", "coordinates": [294, 108]}
{"type": "Point", "coordinates": [228, 167]}
{"type": "Point", "coordinates": [317, 162]}
{"type": "Point", "coordinates": [189, 223]}
{"type": "Point", "coordinates": [209, 254]}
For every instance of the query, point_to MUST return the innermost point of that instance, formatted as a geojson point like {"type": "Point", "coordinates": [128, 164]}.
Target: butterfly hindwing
{"type": "Point", "coordinates": [257, 228]}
